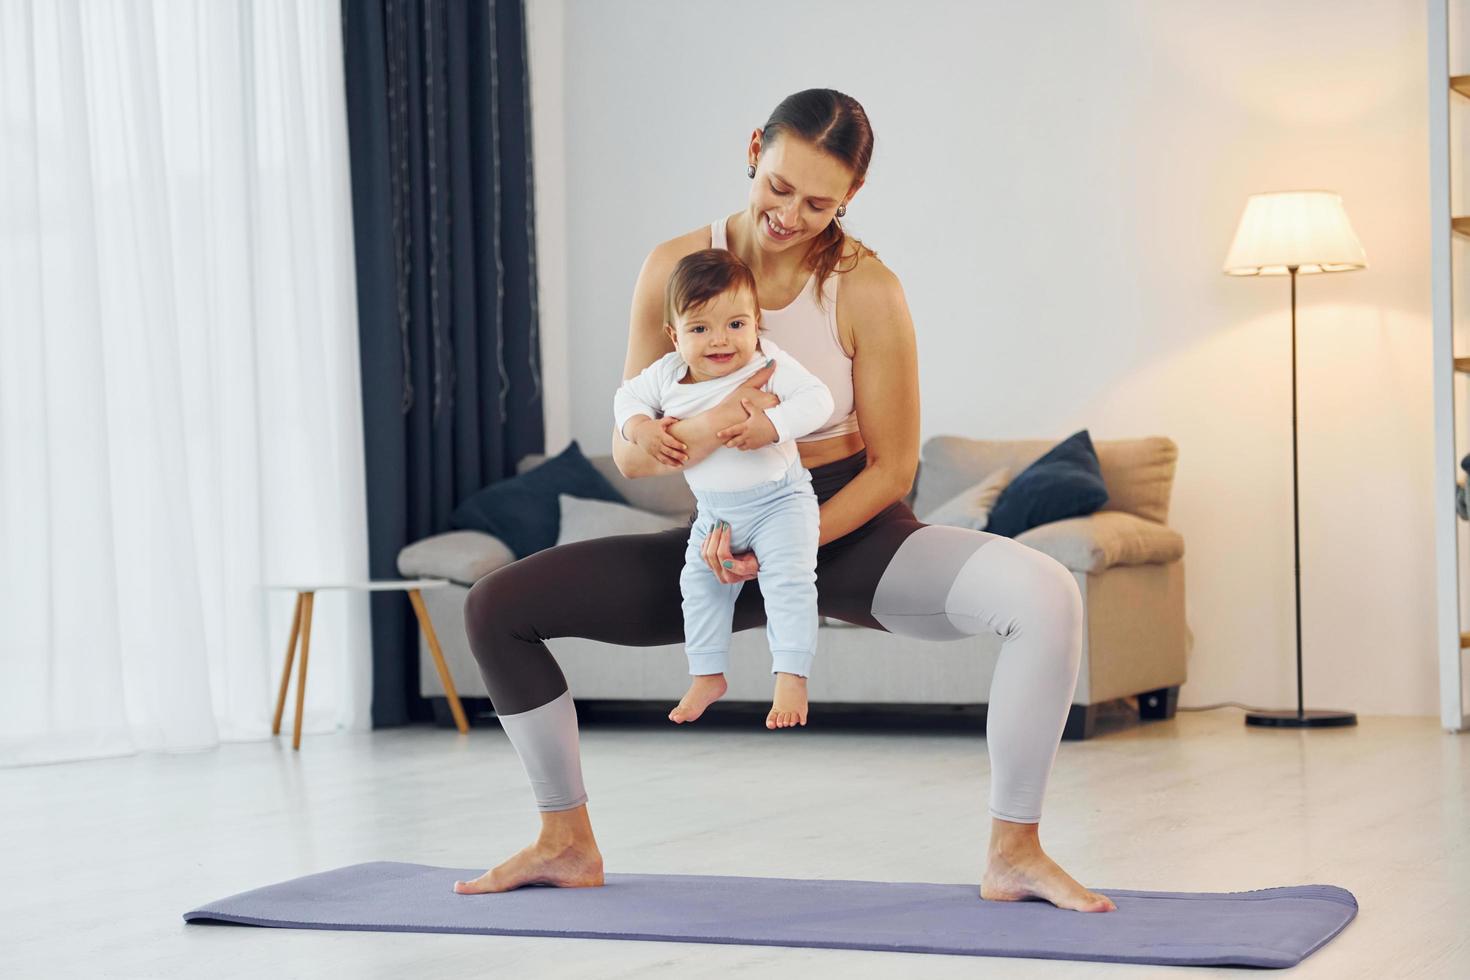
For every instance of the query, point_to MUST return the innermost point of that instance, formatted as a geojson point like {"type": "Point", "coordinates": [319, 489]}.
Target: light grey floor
{"type": "Point", "coordinates": [101, 858]}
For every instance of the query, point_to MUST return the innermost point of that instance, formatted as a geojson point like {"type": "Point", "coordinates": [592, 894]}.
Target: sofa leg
{"type": "Point", "coordinates": [442, 716]}
{"type": "Point", "coordinates": [474, 708]}
{"type": "Point", "coordinates": [1081, 723]}
{"type": "Point", "coordinates": [1158, 704]}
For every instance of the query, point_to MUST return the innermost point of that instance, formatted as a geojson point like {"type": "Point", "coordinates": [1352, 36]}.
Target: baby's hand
{"type": "Point", "coordinates": [653, 437]}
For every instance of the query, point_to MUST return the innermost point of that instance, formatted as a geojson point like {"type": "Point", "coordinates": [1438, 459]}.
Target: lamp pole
{"type": "Point", "coordinates": [1302, 718]}
{"type": "Point", "coordinates": [1296, 506]}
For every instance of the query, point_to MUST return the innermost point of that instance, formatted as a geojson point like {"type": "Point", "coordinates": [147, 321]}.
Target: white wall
{"type": "Point", "coordinates": [1056, 185]}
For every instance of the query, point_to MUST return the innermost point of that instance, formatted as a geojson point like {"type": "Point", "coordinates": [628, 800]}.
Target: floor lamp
{"type": "Point", "coordinates": [1291, 233]}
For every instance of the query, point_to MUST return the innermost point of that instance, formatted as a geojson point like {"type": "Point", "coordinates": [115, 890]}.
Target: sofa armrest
{"type": "Point", "coordinates": [460, 556]}
{"type": "Point", "coordinates": [1104, 539]}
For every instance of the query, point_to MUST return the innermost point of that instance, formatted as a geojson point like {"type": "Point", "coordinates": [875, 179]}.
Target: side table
{"type": "Point", "coordinates": [301, 629]}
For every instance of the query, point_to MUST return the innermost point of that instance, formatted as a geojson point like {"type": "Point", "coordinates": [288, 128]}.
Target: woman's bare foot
{"type": "Point", "coordinates": [565, 855]}
{"type": "Point", "coordinates": [788, 704]}
{"type": "Point", "coordinates": [1019, 870]}
{"type": "Point", "coordinates": [704, 690]}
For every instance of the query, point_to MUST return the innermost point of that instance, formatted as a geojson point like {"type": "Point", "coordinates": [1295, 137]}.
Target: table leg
{"type": "Point", "coordinates": [309, 599]}
{"type": "Point", "coordinates": [427, 626]}
{"type": "Point", "coordinates": [286, 674]}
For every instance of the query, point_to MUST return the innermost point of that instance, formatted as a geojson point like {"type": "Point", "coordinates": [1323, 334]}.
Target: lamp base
{"type": "Point", "coordinates": [1315, 718]}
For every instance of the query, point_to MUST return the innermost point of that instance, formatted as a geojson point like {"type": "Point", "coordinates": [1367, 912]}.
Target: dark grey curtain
{"type": "Point", "coordinates": [439, 133]}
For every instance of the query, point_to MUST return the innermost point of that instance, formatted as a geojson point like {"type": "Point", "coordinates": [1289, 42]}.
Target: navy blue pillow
{"type": "Point", "coordinates": [523, 511]}
{"type": "Point", "coordinates": [1066, 482]}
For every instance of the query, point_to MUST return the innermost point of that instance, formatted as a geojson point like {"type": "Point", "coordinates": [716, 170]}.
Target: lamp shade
{"type": "Point", "coordinates": [1305, 229]}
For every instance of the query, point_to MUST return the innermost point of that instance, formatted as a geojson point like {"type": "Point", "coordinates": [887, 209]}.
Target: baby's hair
{"type": "Point", "coordinates": [701, 276]}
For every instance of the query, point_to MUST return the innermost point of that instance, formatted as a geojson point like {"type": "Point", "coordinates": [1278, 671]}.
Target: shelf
{"type": "Point", "coordinates": [1462, 365]}
{"type": "Point", "coordinates": [1460, 226]}
{"type": "Point", "coordinates": [1461, 84]}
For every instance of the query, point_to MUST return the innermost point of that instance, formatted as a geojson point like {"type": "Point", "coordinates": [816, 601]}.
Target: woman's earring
{"type": "Point", "coordinates": [842, 210]}
{"type": "Point", "coordinates": [750, 171]}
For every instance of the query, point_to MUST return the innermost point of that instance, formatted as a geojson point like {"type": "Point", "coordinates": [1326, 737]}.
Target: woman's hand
{"type": "Point", "coordinates": [750, 390]}
{"type": "Point", "coordinates": [727, 568]}
{"type": "Point", "coordinates": [653, 437]}
{"type": "Point", "coordinates": [755, 432]}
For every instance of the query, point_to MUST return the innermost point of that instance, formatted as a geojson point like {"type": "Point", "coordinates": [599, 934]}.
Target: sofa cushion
{"type": "Point", "coordinates": [667, 494]}
{"type": "Point", "coordinates": [522, 511]}
{"type": "Point", "coordinates": [460, 556]}
{"type": "Point", "coordinates": [1099, 541]}
{"type": "Point", "coordinates": [1138, 473]}
{"type": "Point", "coordinates": [582, 519]}
{"type": "Point", "coordinates": [1064, 483]}
{"type": "Point", "coordinates": [971, 507]}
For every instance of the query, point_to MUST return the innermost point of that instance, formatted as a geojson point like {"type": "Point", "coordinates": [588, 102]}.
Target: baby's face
{"type": "Point", "coordinates": [718, 337]}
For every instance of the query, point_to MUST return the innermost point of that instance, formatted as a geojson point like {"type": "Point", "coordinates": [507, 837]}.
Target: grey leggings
{"type": "Point", "coordinates": [893, 573]}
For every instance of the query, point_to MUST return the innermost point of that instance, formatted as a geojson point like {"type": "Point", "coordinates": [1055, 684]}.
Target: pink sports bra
{"type": "Point", "coordinates": [809, 332]}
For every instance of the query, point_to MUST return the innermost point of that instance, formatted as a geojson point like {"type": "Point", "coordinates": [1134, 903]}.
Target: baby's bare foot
{"type": "Point", "coordinates": [703, 691]}
{"type": "Point", "coordinates": [788, 704]}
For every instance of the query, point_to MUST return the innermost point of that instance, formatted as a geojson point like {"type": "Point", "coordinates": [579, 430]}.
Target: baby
{"type": "Point", "coordinates": [762, 496]}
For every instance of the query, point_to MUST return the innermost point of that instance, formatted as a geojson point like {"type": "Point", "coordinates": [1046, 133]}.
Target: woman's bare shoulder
{"type": "Point", "coordinates": [666, 255]}
{"type": "Point", "coordinates": [646, 339]}
{"type": "Point", "coordinates": [870, 290]}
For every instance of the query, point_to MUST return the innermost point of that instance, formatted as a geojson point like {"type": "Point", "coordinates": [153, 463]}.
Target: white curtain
{"type": "Point", "coordinates": [180, 420]}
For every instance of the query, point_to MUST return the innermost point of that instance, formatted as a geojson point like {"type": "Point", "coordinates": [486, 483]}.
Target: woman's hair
{"type": "Point", "coordinates": [701, 276]}
{"type": "Point", "coordinates": [837, 125]}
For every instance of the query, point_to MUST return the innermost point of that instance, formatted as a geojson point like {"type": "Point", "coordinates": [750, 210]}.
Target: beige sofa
{"type": "Point", "coordinates": [1127, 562]}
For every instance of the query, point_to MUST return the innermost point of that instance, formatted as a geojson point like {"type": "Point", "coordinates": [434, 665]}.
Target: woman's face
{"type": "Point", "coordinates": [796, 191]}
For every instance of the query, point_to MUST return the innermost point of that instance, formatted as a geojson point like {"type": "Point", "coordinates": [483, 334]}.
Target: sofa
{"type": "Point", "coordinates": [1127, 561]}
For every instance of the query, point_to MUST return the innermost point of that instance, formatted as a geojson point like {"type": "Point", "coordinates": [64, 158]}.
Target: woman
{"type": "Point", "coordinates": [842, 314]}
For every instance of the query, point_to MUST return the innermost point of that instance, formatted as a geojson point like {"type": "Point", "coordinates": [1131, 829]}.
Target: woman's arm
{"type": "Point", "coordinates": [647, 342]}
{"type": "Point", "coordinates": [885, 387]}
{"type": "Point", "coordinates": [806, 403]}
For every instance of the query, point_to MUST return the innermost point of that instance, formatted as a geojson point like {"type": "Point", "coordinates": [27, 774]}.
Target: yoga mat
{"type": "Point", "coordinates": [1273, 927]}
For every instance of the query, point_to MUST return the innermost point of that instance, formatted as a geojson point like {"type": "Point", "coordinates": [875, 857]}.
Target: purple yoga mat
{"type": "Point", "coordinates": [1273, 927]}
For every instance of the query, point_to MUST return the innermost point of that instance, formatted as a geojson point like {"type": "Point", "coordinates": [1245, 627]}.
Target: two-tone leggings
{"type": "Point", "coordinates": [894, 573]}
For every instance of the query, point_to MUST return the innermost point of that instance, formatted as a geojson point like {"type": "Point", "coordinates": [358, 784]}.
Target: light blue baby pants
{"type": "Point", "coordinates": [778, 521]}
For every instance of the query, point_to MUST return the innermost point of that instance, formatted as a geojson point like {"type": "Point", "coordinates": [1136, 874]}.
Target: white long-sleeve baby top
{"type": "Point", "coordinates": [806, 403]}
